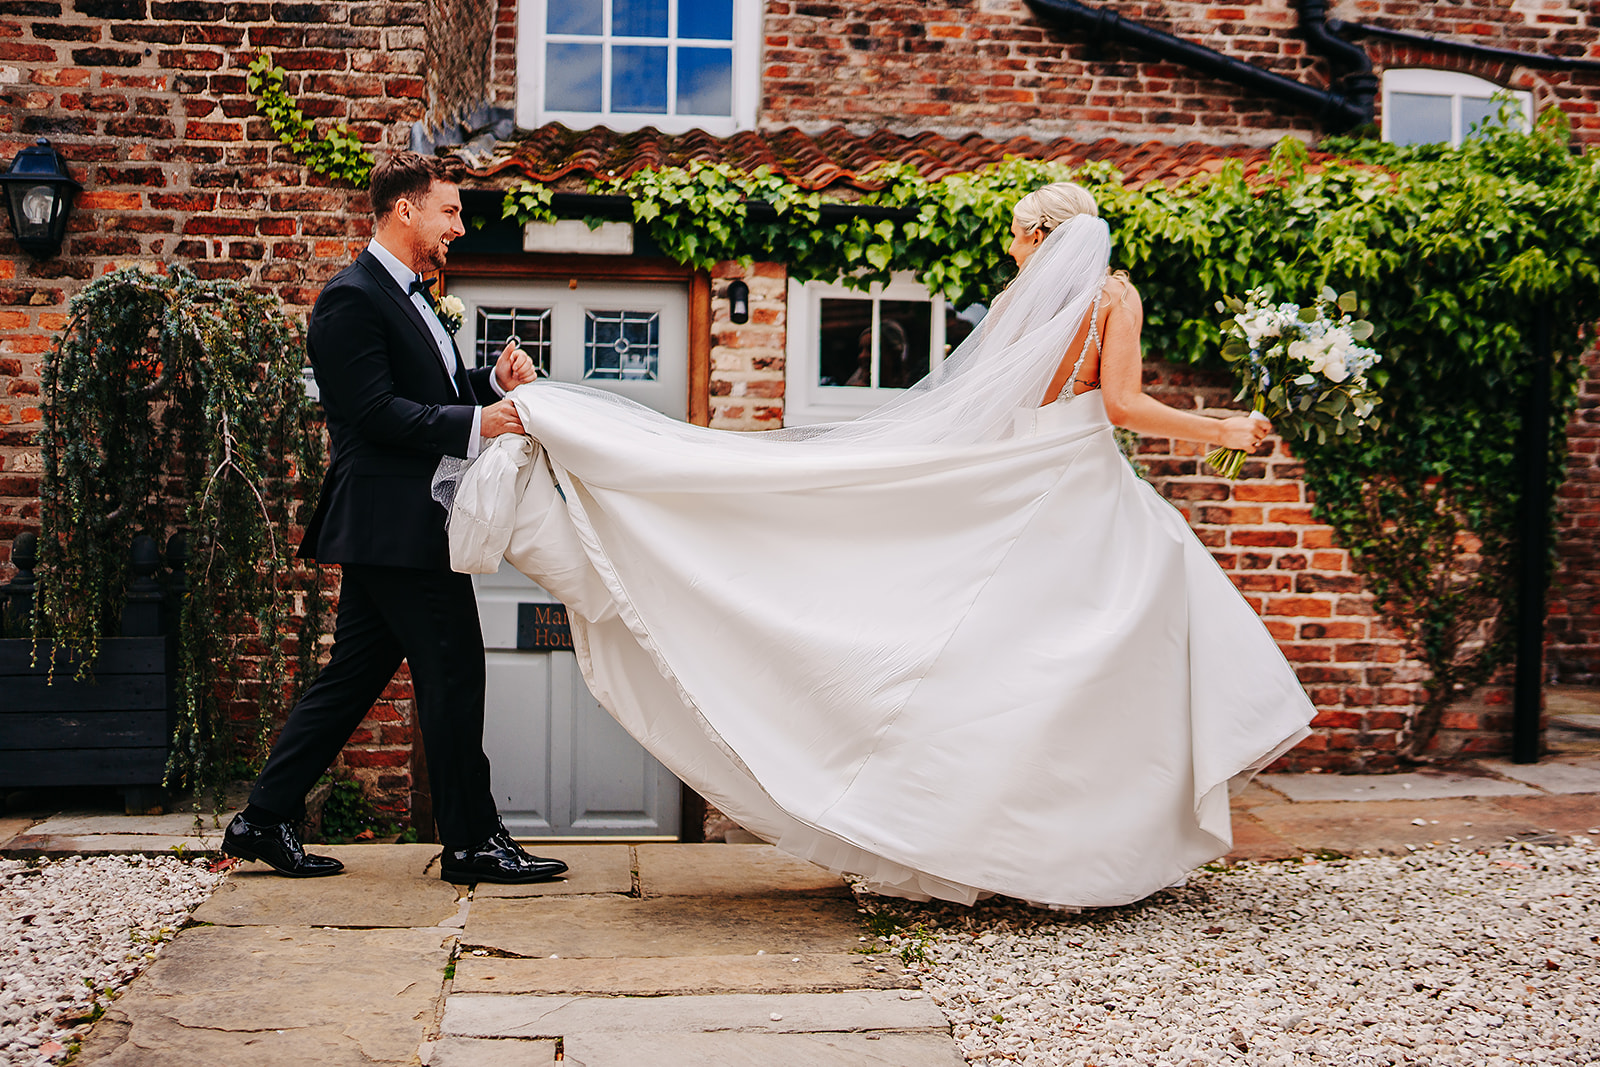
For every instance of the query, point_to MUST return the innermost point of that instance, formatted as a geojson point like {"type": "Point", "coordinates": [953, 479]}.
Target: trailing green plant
{"type": "Point", "coordinates": [339, 153]}
{"type": "Point", "coordinates": [347, 814]}
{"type": "Point", "coordinates": [1453, 252]}
{"type": "Point", "coordinates": [177, 404]}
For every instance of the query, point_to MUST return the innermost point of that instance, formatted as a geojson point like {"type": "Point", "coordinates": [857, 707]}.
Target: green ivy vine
{"type": "Point", "coordinates": [177, 404]}
{"type": "Point", "coordinates": [339, 154]}
{"type": "Point", "coordinates": [1454, 252]}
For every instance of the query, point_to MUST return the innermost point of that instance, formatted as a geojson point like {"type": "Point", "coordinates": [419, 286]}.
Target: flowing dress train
{"type": "Point", "coordinates": [1007, 667]}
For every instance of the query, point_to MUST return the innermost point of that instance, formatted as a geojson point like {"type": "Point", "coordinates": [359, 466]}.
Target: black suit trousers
{"type": "Point", "coordinates": [429, 618]}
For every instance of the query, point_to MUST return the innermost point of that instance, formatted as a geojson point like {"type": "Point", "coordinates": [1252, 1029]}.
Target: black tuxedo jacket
{"type": "Point", "coordinates": [391, 414]}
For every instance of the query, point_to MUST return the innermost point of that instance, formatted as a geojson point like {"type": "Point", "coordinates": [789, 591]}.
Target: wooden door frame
{"type": "Point", "coordinates": [591, 268]}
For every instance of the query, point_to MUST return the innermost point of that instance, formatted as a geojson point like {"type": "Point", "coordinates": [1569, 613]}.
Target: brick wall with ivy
{"type": "Point", "coordinates": [994, 66]}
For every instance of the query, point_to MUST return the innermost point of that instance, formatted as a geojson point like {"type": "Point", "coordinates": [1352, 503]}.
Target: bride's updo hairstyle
{"type": "Point", "coordinates": [1045, 209]}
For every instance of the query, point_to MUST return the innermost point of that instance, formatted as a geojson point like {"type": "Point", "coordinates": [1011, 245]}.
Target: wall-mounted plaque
{"type": "Point", "coordinates": [543, 628]}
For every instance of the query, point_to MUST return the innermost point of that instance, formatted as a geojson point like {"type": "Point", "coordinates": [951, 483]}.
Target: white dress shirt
{"type": "Point", "coordinates": [403, 277]}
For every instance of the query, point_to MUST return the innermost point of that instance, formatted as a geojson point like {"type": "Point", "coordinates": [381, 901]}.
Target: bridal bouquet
{"type": "Point", "coordinates": [1303, 367]}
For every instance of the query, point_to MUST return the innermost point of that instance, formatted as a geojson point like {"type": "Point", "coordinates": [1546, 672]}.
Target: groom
{"type": "Point", "coordinates": [397, 397]}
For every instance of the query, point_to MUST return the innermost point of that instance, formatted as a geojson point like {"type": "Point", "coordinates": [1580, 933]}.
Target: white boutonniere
{"type": "Point", "coordinates": [452, 312]}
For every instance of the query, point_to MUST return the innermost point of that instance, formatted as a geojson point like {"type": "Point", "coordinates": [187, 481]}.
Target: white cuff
{"type": "Point", "coordinates": [494, 382]}
{"type": "Point", "coordinates": [475, 442]}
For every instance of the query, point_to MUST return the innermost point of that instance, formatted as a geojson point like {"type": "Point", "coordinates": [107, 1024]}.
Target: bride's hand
{"type": "Point", "coordinates": [1243, 432]}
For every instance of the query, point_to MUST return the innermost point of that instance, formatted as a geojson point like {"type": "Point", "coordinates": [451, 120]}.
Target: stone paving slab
{"type": "Point", "coordinates": [1571, 814]}
{"type": "Point", "coordinates": [490, 1052]}
{"type": "Point", "coordinates": [682, 975]}
{"type": "Point", "coordinates": [856, 1011]}
{"type": "Point", "coordinates": [1254, 840]}
{"type": "Point", "coordinates": [763, 1050]}
{"type": "Point", "coordinates": [1551, 775]}
{"type": "Point", "coordinates": [721, 870]}
{"type": "Point", "coordinates": [32, 844]}
{"type": "Point", "coordinates": [1391, 825]}
{"type": "Point", "coordinates": [273, 995]}
{"type": "Point", "coordinates": [382, 886]}
{"type": "Point", "coordinates": [11, 826]}
{"type": "Point", "coordinates": [175, 824]}
{"type": "Point", "coordinates": [1583, 722]}
{"type": "Point", "coordinates": [665, 926]}
{"type": "Point", "coordinates": [1414, 785]}
{"type": "Point", "coordinates": [590, 869]}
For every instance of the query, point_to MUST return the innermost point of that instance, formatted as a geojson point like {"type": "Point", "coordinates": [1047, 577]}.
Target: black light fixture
{"type": "Point", "coordinates": [738, 301]}
{"type": "Point", "coordinates": [38, 196]}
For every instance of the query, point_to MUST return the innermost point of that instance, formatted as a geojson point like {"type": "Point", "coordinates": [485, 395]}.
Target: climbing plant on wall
{"type": "Point", "coordinates": [1452, 251]}
{"type": "Point", "coordinates": [177, 404]}
{"type": "Point", "coordinates": [338, 154]}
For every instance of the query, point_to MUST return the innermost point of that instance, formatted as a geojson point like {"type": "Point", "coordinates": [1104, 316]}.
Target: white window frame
{"type": "Point", "coordinates": [747, 40]}
{"type": "Point", "coordinates": [1453, 84]}
{"type": "Point", "coordinates": [807, 402]}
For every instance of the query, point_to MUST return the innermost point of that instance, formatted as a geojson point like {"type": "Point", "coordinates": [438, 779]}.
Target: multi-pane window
{"type": "Point", "coordinates": [621, 345]}
{"type": "Point", "coordinates": [1440, 106]}
{"type": "Point", "coordinates": [496, 325]}
{"type": "Point", "coordinates": [850, 350]}
{"type": "Point", "coordinates": [673, 64]}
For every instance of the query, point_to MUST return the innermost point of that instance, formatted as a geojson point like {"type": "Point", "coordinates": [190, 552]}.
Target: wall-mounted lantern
{"type": "Point", "coordinates": [738, 301]}
{"type": "Point", "coordinates": [38, 195]}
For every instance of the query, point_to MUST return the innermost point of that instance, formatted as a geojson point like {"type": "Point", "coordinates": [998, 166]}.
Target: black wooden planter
{"type": "Point", "coordinates": [111, 728]}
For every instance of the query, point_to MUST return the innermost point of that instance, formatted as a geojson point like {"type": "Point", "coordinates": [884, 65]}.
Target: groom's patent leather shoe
{"type": "Point", "coordinates": [276, 846]}
{"type": "Point", "coordinates": [499, 859]}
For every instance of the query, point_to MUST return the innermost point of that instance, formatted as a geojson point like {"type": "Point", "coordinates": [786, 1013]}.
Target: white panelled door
{"type": "Point", "coordinates": [562, 767]}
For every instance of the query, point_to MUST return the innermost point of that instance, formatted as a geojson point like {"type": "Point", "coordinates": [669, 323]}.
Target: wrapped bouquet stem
{"type": "Point", "coordinates": [1304, 368]}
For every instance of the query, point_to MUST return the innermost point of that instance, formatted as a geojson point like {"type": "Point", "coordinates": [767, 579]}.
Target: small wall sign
{"type": "Point", "coordinates": [543, 628]}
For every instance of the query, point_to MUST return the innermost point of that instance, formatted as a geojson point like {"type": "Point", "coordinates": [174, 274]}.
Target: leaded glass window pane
{"type": "Point", "coordinates": [572, 76]}
{"type": "Point", "coordinates": [705, 81]}
{"type": "Point", "coordinates": [622, 345]}
{"type": "Point", "coordinates": [639, 79]}
{"type": "Point", "coordinates": [530, 325]}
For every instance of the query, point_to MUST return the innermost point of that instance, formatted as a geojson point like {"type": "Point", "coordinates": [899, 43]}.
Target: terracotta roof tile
{"type": "Point", "coordinates": [835, 159]}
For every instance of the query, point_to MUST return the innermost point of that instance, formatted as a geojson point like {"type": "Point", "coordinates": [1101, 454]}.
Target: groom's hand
{"type": "Point", "coordinates": [514, 368]}
{"type": "Point", "coordinates": [498, 418]}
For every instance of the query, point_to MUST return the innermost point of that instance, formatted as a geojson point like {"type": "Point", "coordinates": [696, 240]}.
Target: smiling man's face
{"type": "Point", "coordinates": [432, 224]}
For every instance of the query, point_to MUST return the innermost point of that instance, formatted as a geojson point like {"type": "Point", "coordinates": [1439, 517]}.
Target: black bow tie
{"type": "Point", "coordinates": [423, 286]}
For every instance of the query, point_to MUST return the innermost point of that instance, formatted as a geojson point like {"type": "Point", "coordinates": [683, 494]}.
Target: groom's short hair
{"type": "Point", "coordinates": [406, 176]}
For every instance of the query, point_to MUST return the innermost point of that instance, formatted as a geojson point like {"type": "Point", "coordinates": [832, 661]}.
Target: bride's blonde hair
{"type": "Point", "coordinates": [1045, 209]}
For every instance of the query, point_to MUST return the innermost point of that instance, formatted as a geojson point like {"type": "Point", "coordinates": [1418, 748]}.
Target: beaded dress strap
{"type": "Point", "coordinates": [1092, 341]}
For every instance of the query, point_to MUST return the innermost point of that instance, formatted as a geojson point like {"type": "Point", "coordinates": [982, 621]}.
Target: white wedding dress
{"type": "Point", "coordinates": [996, 666]}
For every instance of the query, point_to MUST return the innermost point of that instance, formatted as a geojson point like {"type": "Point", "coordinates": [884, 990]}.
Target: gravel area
{"type": "Point", "coordinates": [1443, 956]}
{"type": "Point", "coordinates": [73, 932]}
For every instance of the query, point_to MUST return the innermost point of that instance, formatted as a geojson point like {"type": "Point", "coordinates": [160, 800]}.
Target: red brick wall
{"type": "Point", "coordinates": [146, 100]}
{"type": "Point", "coordinates": [747, 358]}
{"type": "Point", "coordinates": [957, 66]}
{"type": "Point", "coordinates": [1574, 618]}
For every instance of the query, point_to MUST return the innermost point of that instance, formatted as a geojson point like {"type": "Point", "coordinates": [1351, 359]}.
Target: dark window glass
{"type": "Point", "coordinates": [574, 16]}
{"type": "Point", "coordinates": [958, 325]}
{"type": "Point", "coordinates": [845, 335]}
{"type": "Point", "coordinates": [903, 339]}
{"type": "Point", "coordinates": [572, 77]}
{"type": "Point", "coordinates": [706, 19]}
{"type": "Point", "coordinates": [705, 81]}
{"type": "Point", "coordinates": [638, 79]}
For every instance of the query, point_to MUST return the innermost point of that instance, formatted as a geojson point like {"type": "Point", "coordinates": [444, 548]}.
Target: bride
{"type": "Point", "coordinates": [955, 647]}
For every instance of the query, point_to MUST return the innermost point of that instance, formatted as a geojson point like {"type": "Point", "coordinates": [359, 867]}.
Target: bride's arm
{"type": "Point", "coordinates": [1127, 404]}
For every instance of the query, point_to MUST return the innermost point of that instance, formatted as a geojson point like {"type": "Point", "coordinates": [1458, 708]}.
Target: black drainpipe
{"type": "Point", "coordinates": [1338, 111]}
